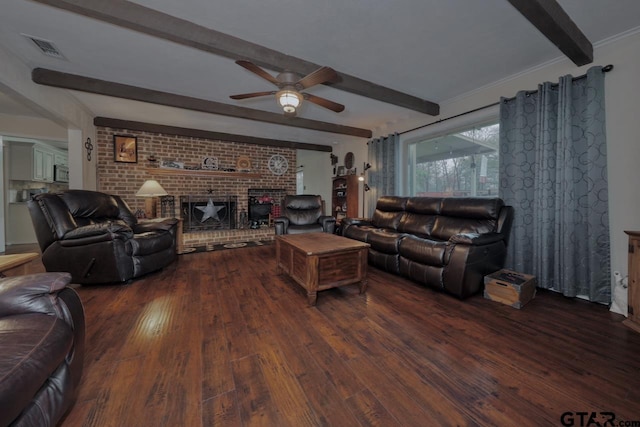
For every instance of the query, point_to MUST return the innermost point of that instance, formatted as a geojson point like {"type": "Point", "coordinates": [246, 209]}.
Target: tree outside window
{"type": "Point", "coordinates": [456, 165]}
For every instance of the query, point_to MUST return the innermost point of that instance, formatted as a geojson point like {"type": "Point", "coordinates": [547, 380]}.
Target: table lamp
{"type": "Point", "coordinates": [151, 189]}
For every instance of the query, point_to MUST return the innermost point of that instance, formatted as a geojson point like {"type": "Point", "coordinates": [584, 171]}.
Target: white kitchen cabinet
{"type": "Point", "coordinates": [21, 164]}
{"type": "Point", "coordinates": [31, 162]}
{"type": "Point", "coordinates": [60, 159]}
{"type": "Point", "coordinates": [42, 164]}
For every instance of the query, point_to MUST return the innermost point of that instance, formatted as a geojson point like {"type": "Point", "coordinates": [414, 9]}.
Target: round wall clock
{"type": "Point", "coordinates": [278, 164]}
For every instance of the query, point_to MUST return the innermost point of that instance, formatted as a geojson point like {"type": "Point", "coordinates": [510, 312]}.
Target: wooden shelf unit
{"type": "Point", "coordinates": [344, 197]}
{"type": "Point", "coordinates": [201, 172]}
{"type": "Point", "coordinates": [633, 320]}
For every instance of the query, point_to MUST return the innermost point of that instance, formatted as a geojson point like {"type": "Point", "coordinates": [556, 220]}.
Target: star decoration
{"type": "Point", "coordinates": [209, 211]}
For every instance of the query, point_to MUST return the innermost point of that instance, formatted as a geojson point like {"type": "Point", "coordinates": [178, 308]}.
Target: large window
{"type": "Point", "coordinates": [456, 164]}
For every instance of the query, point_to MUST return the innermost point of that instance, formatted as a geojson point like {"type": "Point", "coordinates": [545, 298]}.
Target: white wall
{"type": "Point", "coordinates": [63, 112]}
{"type": "Point", "coordinates": [622, 87]}
{"type": "Point", "coordinates": [316, 166]}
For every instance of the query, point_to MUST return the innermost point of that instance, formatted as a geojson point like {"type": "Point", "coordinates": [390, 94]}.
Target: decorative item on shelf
{"type": "Point", "coordinates": [348, 163]}
{"type": "Point", "coordinates": [171, 164]}
{"type": "Point", "coordinates": [334, 161]}
{"type": "Point", "coordinates": [340, 170]}
{"type": "Point", "coordinates": [243, 164]}
{"type": "Point", "coordinates": [125, 149]}
{"type": "Point", "coordinates": [89, 146]}
{"type": "Point", "coordinates": [150, 190]}
{"type": "Point", "coordinates": [210, 163]}
{"type": "Point", "coordinates": [278, 164]}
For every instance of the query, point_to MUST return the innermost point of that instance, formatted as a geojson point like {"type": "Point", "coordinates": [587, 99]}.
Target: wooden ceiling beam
{"type": "Point", "coordinates": [103, 87]}
{"type": "Point", "coordinates": [552, 21]}
{"type": "Point", "coordinates": [152, 22]}
{"type": "Point", "coordinates": [205, 134]}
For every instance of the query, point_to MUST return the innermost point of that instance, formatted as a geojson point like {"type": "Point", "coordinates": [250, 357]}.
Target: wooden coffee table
{"type": "Point", "coordinates": [319, 261]}
{"type": "Point", "coordinates": [15, 265]}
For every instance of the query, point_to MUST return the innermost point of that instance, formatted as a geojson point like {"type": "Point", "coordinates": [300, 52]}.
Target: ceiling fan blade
{"type": "Point", "coordinates": [252, 95]}
{"type": "Point", "coordinates": [257, 70]}
{"type": "Point", "coordinates": [321, 75]}
{"type": "Point", "coordinates": [323, 102]}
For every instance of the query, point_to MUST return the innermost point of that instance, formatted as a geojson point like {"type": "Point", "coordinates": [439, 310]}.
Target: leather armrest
{"type": "Point", "coordinates": [155, 224]}
{"type": "Point", "coordinates": [328, 223]}
{"type": "Point", "coordinates": [32, 293]}
{"type": "Point", "coordinates": [356, 221]}
{"type": "Point", "coordinates": [475, 239]}
{"type": "Point", "coordinates": [98, 229]}
{"type": "Point", "coordinates": [326, 219]}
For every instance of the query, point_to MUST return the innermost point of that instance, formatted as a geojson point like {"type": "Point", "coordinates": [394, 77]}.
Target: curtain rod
{"type": "Point", "coordinates": [605, 69]}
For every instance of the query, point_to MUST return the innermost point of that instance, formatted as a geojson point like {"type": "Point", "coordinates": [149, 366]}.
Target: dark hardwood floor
{"type": "Point", "coordinates": [218, 339]}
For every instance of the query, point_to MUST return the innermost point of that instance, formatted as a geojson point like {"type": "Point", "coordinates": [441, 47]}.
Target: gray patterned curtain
{"type": "Point", "coordinates": [382, 175]}
{"type": "Point", "coordinates": [553, 170]}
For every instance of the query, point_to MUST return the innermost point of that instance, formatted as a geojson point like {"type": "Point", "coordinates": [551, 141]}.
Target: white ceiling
{"type": "Point", "coordinates": [432, 49]}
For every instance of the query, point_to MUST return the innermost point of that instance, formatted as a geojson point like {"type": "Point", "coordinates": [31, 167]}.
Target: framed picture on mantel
{"type": "Point", "coordinates": [125, 149]}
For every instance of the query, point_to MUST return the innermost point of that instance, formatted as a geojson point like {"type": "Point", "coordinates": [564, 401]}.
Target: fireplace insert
{"type": "Point", "coordinates": [203, 213]}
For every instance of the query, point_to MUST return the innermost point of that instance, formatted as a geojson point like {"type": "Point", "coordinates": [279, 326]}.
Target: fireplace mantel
{"type": "Point", "coordinates": [201, 172]}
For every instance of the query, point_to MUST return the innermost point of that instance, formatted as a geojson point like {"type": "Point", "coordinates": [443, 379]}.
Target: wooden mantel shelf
{"type": "Point", "coordinates": [201, 172]}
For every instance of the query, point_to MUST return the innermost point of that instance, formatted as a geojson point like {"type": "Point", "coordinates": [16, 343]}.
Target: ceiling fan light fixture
{"type": "Point", "coordinates": [289, 100]}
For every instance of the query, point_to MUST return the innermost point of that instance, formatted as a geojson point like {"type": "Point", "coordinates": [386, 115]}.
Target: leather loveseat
{"type": "Point", "coordinates": [303, 214]}
{"type": "Point", "coordinates": [445, 243]}
{"type": "Point", "coordinates": [95, 237]}
{"type": "Point", "coordinates": [41, 348]}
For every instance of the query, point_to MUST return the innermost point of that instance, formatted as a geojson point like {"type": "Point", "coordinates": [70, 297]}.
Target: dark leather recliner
{"type": "Point", "coordinates": [95, 237]}
{"type": "Point", "coordinates": [303, 214]}
{"type": "Point", "coordinates": [41, 348]}
{"type": "Point", "coordinates": [447, 243]}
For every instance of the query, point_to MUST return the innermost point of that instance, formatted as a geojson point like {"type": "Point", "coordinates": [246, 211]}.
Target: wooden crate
{"type": "Point", "coordinates": [509, 287]}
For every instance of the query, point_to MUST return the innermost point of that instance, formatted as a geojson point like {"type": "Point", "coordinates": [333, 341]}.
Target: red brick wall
{"type": "Point", "coordinates": [124, 179]}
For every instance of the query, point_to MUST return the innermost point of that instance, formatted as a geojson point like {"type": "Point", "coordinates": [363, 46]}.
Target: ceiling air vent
{"type": "Point", "coordinates": [45, 46]}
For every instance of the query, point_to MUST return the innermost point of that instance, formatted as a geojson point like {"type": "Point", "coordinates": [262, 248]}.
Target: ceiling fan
{"type": "Point", "coordinates": [290, 86]}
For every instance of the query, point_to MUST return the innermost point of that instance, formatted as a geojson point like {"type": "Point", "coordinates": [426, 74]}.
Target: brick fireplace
{"type": "Point", "coordinates": [124, 179]}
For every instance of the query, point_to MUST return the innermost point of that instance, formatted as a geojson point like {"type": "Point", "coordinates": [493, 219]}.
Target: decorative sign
{"type": "Point", "coordinates": [171, 164]}
{"type": "Point", "coordinates": [243, 163]}
{"type": "Point", "coordinates": [210, 163]}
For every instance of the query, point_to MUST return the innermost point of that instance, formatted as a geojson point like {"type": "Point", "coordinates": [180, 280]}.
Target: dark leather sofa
{"type": "Point", "coordinates": [95, 237]}
{"type": "Point", "coordinates": [448, 244]}
{"type": "Point", "coordinates": [41, 348]}
{"type": "Point", "coordinates": [303, 214]}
